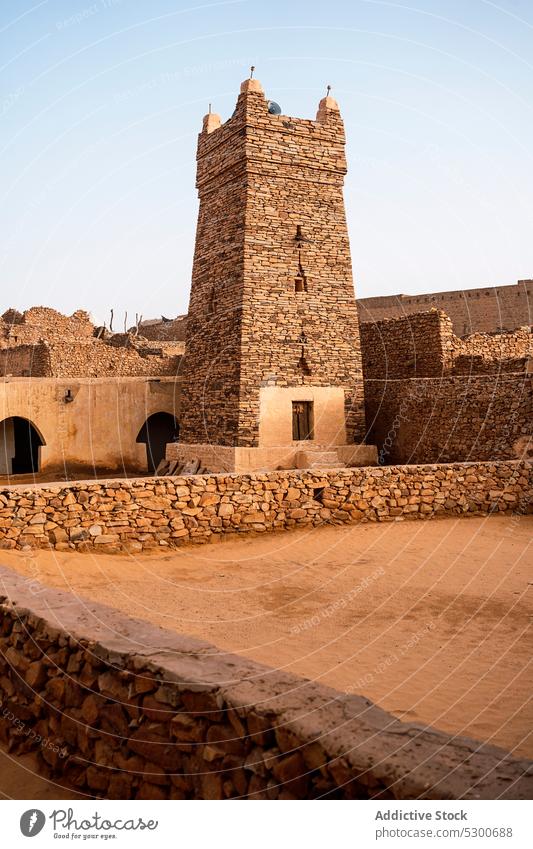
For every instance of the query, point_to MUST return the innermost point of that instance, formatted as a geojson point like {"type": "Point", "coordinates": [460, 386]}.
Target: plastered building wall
{"type": "Point", "coordinates": [99, 428]}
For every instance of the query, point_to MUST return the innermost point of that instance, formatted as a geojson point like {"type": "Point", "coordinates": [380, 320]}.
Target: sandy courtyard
{"type": "Point", "coordinates": [432, 620]}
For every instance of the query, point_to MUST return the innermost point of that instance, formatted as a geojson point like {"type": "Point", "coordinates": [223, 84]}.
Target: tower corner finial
{"type": "Point", "coordinates": [251, 84]}
{"type": "Point", "coordinates": [211, 122]}
{"type": "Point", "coordinates": [327, 106]}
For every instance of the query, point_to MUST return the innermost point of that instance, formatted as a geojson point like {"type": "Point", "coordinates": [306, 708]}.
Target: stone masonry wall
{"type": "Point", "coordinates": [120, 709]}
{"type": "Point", "coordinates": [97, 358]}
{"type": "Point", "coordinates": [296, 175]}
{"type": "Point", "coordinates": [418, 344]}
{"type": "Point", "coordinates": [43, 323]}
{"type": "Point", "coordinates": [164, 330]}
{"type": "Point", "coordinates": [484, 353]}
{"type": "Point", "coordinates": [87, 357]}
{"type": "Point", "coordinates": [451, 419]}
{"type": "Point", "coordinates": [42, 342]}
{"type": "Point", "coordinates": [423, 345]}
{"type": "Point", "coordinates": [146, 513]}
{"type": "Point", "coordinates": [23, 361]}
{"type": "Point", "coordinates": [211, 365]}
{"type": "Point", "coordinates": [489, 309]}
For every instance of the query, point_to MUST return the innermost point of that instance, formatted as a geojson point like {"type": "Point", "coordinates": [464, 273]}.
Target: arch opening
{"type": "Point", "coordinates": [158, 430]}
{"type": "Point", "coordinates": [20, 444]}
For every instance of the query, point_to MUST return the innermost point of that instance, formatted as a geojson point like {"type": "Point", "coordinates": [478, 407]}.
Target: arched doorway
{"type": "Point", "coordinates": [19, 446]}
{"type": "Point", "coordinates": [158, 430]}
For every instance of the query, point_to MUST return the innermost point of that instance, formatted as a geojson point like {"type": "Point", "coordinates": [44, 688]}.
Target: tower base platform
{"type": "Point", "coordinates": [195, 458]}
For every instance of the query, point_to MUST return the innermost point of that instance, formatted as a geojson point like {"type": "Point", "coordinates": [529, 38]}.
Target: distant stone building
{"type": "Point", "coordinates": [491, 309]}
{"type": "Point", "coordinates": [162, 329]}
{"type": "Point", "coordinates": [272, 359]}
{"type": "Point", "coordinates": [77, 401]}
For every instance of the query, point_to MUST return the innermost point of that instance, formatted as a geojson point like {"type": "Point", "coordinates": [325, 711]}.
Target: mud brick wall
{"type": "Point", "coordinates": [451, 419]}
{"type": "Point", "coordinates": [410, 346]}
{"type": "Point", "coordinates": [260, 176]}
{"type": "Point", "coordinates": [146, 513]}
{"type": "Point", "coordinates": [489, 309]}
{"type": "Point", "coordinates": [121, 709]}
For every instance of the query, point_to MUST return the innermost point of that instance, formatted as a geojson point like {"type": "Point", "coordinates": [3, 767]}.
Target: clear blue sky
{"type": "Point", "coordinates": [101, 103]}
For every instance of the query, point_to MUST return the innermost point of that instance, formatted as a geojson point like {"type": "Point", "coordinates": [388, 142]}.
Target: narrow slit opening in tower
{"type": "Point", "coordinates": [300, 283]}
{"type": "Point", "coordinates": [304, 366]}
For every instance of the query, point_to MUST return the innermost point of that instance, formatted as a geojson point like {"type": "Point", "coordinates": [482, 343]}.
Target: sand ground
{"type": "Point", "coordinates": [432, 620]}
{"type": "Point", "coordinates": [19, 781]}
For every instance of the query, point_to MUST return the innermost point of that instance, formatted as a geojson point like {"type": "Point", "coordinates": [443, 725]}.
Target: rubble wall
{"type": "Point", "coordinates": [146, 513]}
{"type": "Point", "coordinates": [410, 346]}
{"type": "Point", "coordinates": [121, 709]}
{"type": "Point", "coordinates": [450, 419]}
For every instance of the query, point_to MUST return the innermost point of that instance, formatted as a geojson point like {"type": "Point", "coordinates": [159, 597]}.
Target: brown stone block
{"type": "Point", "coordinates": [156, 749]}
{"type": "Point", "coordinates": [111, 686]}
{"type": "Point", "coordinates": [186, 728]}
{"type": "Point", "coordinates": [113, 720]}
{"type": "Point", "coordinates": [152, 792]}
{"type": "Point", "coordinates": [154, 774]}
{"type": "Point", "coordinates": [156, 710]}
{"type": "Point", "coordinates": [202, 703]}
{"type": "Point", "coordinates": [55, 690]}
{"type": "Point", "coordinates": [36, 675]}
{"type": "Point", "coordinates": [120, 786]}
{"type": "Point", "coordinates": [90, 708]}
{"type": "Point", "coordinates": [211, 785]}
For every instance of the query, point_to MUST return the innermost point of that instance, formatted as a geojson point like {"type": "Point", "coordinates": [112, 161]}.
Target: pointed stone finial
{"type": "Point", "coordinates": [211, 122]}
{"type": "Point", "coordinates": [252, 69]}
{"type": "Point", "coordinates": [326, 106]}
{"type": "Point", "coordinates": [251, 85]}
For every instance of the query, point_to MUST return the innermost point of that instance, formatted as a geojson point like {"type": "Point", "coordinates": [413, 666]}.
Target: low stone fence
{"type": "Point", "coordinates": [121, 709]}
{"type": "Point", "coordinates": [145, 513]}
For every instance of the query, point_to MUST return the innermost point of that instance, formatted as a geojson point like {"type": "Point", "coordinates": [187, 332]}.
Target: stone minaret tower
{"type": "Point", "coordinates": [272, 358]}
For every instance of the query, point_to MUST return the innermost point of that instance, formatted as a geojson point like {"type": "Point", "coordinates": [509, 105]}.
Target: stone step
{"type": "Point", "coordinates": [322, 460]}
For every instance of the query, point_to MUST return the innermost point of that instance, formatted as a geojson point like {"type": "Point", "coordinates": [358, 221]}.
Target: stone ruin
{"type": "Point", "coordinates": [42, 342]}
